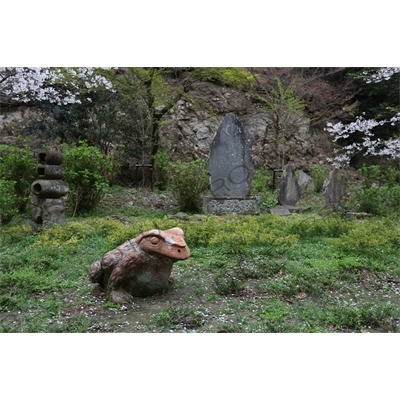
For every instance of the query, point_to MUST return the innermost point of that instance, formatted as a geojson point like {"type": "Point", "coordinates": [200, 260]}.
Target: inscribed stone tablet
{"type": "Point", "coordinates": [230, 167]}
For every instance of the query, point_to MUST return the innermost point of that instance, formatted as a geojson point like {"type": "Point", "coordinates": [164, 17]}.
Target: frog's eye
{"type": "Point", "coordinates": [154, 240]}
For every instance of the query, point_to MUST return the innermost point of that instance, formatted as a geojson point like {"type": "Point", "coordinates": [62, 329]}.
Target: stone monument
{"type": "Point", "coordinates": [231, 170]}
{"type": "Point", "coordinates": [48, 190]}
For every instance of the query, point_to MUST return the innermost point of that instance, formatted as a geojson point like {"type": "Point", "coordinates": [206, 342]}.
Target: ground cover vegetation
{"type": "Point", "coordinates": [315, 272]}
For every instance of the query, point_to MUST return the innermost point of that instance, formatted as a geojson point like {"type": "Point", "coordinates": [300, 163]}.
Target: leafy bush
{"type": "Point", "coordinates": [371, 200]}
{"type": "Point", "coordinates": [380, 192]}
{"type": "Point", "coordinates": [188, 180]}
{"type": "Point", "coordinates": [261, 180]}
{"type": "Point", "coordinates": [161, 165]}
{"type": "Point", "coordinates": [377, 200]}
{"type": "Point", "coordinates": [393, 197]}
{"type": "Point", "coordinates": [85, 171]}
{"type": "Point", "coordinates": [261, 187]}
{"type": "Point", "coordinates": [8, 201]}
{"type": "Point", "coordinates": [370, 174]}
{"type": "Point", "coordinates": [375, 174]}
{"type": "Point", "coordinates": [18, 165]}
{"type": "Point", "coordinates": [390, 176]}
{"type": "Point", "coordinates": [363, 238]}
{"type": "Point", "coordinates": [319, 175]}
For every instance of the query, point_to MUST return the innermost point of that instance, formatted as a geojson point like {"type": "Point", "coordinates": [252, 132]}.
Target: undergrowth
{"type": "Point", "coordinates": [303, 273]}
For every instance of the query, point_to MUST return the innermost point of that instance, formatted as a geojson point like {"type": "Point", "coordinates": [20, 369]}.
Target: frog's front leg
{"type": "Point", "coordinates": [115, 288]}
{"type": "Point", "coordinates": [120, 296]}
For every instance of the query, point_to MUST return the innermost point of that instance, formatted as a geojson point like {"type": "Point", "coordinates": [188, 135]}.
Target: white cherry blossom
{"type": "Point", "coordinates": [367, 145]}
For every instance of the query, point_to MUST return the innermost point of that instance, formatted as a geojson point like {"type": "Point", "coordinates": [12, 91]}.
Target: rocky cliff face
{"type": "Point", "coordinates": [192, 128]}
{"type": "Point", "coordinates": [12, 121]}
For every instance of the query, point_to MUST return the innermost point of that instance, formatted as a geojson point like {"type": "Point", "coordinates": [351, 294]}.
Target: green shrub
{"type": "Point", "coordinates": [393, 197]}
{"type": "Point", "coordinates": [390, 176]}
{"type": "Point", "coordinates": [380, 192]}
{"type": "Point", "coordinates": [375, 174]}
{"type": "Point", "coordinates": [371, 174]}
{"type": "Point", "coordinates": [17, 164]}
{"type": "Point", "coordinates": [378, 201]}
{"type": "Point", "coordinates": [371, 237]}
{"type": "Point", "coordinates": [8, 201]}
{"type": "Point", "coordinates": [262, 180]}
{"type": "Point", "coordinates": [188, 180]}
{"type": "Point", "coordinates": [162, 167]}
{"type": "Point", "coordinates": [371, 200]}
{"type": "Point", "coordinates": [85, 170]}
{"type": "Point", "coordinates": [319, 175]}
{"type": "Point", "coordinates": [261, 187]}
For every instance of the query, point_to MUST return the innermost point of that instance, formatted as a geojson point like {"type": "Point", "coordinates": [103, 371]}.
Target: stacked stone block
{"type": "Point", "coordinates": [48, 190]}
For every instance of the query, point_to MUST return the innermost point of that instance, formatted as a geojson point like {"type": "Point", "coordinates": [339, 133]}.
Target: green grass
{"type": "Point", "coordinates": [303, 273]}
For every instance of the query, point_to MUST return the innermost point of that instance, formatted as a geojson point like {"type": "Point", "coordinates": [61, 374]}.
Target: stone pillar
{"type": "Point", "coordinates": [47, 191]}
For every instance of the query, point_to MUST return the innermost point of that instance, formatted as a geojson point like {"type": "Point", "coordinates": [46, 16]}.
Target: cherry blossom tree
{"type": "Point", "coordinates": [55, 85]}
{"type": "Point", "coordinates": [369, 144]}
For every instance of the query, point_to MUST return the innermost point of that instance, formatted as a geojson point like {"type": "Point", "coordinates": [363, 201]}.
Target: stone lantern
{"type": "Point", "coordinates": [48, 190]}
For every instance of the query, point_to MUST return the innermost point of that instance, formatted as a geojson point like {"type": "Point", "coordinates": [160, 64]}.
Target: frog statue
{"type": "Point", "coordinates": [140, 267]}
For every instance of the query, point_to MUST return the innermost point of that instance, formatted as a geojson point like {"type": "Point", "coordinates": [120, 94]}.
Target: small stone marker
{"type": "Point", "coordinates": [279, 210]}
{"type": "Point", "coordinates": [289, 192]}
{"type": "Point", "coordinates": [287, 210]}
{"type": "Point", "coordinates": [230, 167]}
{"type": "Point", "coordinates": [334, 187]}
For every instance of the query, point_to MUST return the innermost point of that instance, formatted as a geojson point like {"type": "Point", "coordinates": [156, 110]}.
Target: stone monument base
{"type": "Point", "coordinates": [228, 205]}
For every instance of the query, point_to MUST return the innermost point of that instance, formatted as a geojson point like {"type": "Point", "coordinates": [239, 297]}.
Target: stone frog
{"type": "Point", "coordinates": [140, 267]}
